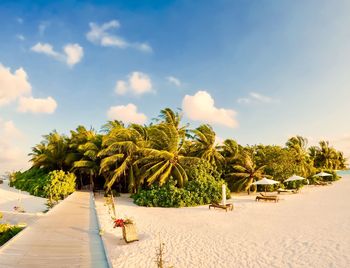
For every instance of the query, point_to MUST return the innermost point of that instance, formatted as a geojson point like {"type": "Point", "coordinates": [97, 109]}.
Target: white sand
{"type": "Point", "coordinates": [9, 197]}
{"type": "Point", "coordinates": [310, 229]}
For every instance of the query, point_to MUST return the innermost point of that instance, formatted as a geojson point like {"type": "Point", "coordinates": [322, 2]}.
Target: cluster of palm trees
{"type": "Point", "coordinates": [135, 156]}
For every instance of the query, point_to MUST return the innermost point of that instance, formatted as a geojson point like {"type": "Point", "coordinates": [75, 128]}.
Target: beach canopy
{"type": "Point", "coordinates": [265, 181]}
{"type": "Point", "coordinates": [294, 178]}
{"type": "Point", "coordinates": [322, 174]}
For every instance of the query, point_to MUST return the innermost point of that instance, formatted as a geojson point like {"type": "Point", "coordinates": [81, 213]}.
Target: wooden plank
{"type": "Point", "coordinates": [67, 236]}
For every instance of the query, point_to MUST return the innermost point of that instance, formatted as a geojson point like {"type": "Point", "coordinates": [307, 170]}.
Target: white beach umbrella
{"type": "Point", "coordinates": [265, 181]}
{"type": "Point", "coordinates": [322, 174]}
{"type": "Point", "coordinates": [294, 178]}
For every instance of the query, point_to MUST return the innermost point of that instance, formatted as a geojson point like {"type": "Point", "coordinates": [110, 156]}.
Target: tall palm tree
{"type": "Point", "coordinates": [204, 145]}
{"type": "Point", "coordinates": [246, 172]}
{"type": "Point", "coordinates": [327, 155]}
{"type": "Point", "coordinates": [229, 149]}
{"type": "Point", "coordinates": [163, 159]}
{"type": "Point", "coordinates": [298, 145]}
{"type": "Point", "coordinates": [86, 144]}
{"type": "Point", "coordinates": [121, 148]}
{"type": "Point", "coordinates": [52, 153]}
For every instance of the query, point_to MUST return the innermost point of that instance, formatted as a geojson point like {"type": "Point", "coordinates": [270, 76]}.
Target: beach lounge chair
{"type": "Point", "coordinates": [323, 183]}
{"type": "Point", "coordinates": [294, 191]}
{"type": "Point", "coordinates": [267, 198]}
{"type": "Point", "coordinates": [226, 207]}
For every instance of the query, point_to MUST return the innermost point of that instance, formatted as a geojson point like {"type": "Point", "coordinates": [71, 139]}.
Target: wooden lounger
{"type": "Point", "coordinates": [267, 198]}
{"type": "Point", "coordinates": [225, 207]}
{"type": "Point", "coordinates": [294, 191]}
{"type": "Point", "coordinates": [323, 183]}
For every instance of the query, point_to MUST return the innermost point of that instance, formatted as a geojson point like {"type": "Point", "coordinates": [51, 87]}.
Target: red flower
{"type": "Point", "coordinates": [118, 223]}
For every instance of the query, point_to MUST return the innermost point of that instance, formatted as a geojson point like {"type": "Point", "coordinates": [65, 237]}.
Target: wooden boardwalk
{"type": "Point", "coordinates": [67, 236]}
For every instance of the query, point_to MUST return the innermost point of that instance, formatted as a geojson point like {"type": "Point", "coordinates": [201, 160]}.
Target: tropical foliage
{"type": "Point", "coordinates": [8, 231]}
{"type": "Point", "coordinates": [163, 156]}
{"type": "Point", "coordinates": [54, 185]}
{"type": "Point", "coordinates": [202, 188]}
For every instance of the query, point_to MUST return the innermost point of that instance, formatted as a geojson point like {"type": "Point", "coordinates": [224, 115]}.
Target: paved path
{"type": "Point", "coordinates": [66, 237]}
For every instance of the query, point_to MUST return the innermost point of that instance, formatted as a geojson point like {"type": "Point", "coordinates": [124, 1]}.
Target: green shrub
{"type": "Point", "coordinates": [8, 231]}
{"type": "Point", "coordinates": [55, 184]}
{"type": "Point", "coordinates": [295, 184]}
{"type": "Point", "coordinates": [60, 185]}
{"type": "Point", "coordinates": [32, 181]}
{"type": "Point", "coordinates": [202, 188]}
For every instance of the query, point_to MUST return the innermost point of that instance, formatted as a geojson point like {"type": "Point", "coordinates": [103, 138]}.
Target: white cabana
{"type": "Point", "coordinates": [294, 178]}
{"type": "Point", "coordinates": [322, 174]}
{"type": "Point", "coordinates": [265, 181]}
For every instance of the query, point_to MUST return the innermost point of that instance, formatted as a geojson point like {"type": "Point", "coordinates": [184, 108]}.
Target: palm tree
{"type": "Point", "coordinates": [163, 159]}
{"type": "Point", "coordinates": [121, 148]}
{"type": "Point", "coordinates": [229, 149]}
{"type": "Point", "coordinates": [327, 155]}
{"type": "Point", "coordinates": [298, 145]}
{"type": "Point", "coordinates": [52, 153]}
{"type": "Point", "coordinates": [246, 172]}
{"type": "Point", "coordinates": [204, 146]}
{"type": "Point", "coordinates": [86, 144]}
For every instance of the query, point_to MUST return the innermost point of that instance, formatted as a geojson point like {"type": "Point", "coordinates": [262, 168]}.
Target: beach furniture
{"type": "Point", "coordinates": [293, 191]}
{"type": "Point", "coordinates": [226, 207]}
{"type": "Point", "coordinates": [267, 198]}
{"type": "Point", "coordinates": [323, 183]}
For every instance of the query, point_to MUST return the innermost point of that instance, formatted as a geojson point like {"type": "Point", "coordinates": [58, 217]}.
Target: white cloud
{"type": "Point", "coordinates": [74, 54]}
{"type": "Point", "coordinates": [99, 35]}
{"type": "Point", "coordinates": [71, 55]}
{"type": "Point", "coordinates": [127, 114]}
{"type": "Point", "coordinates": [37, 105]}
{"type": "Point", "coordinates": [11, 157]}
{"type": "Point", "coordinates": [201, 107]}
{"type": "Point", "coordinates": [174, 80]}
{"type": "Point", "coordinates": [45, 48]}
{"type": "Point", "coordinates": [20, 37]}
{"type": "Point", "coordinates": [138, 83]}
{"type": "Point", "coordinates": [256, 98]}
{"type": "Point", "coordinates": [13, 85]}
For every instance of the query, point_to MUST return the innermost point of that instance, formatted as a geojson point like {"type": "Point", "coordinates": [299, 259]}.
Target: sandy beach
{"type": "Point", "coordinates": [310, 229]}
{"type": "Point", "coordinates": [9, 198]}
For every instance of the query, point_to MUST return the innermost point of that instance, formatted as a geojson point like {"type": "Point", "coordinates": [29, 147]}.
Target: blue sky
{"type": "Point", "coordinates": [258, 71]}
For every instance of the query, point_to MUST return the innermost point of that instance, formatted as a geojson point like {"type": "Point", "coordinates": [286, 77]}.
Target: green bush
{"type": "Point", "coordinates": [295, 184]}
{"type": "Point", "coordinates": [60, 185]}
{"type": "Point", "coordinates": [202, 188]}
{"type": "Point", "coordinates": [32, 181]}
{"type": "Point", "coordinates": [55, 184]}
{"type": "Point", "coordinates": [8, 231]}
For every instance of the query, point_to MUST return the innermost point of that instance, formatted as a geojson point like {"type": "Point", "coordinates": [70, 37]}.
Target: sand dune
{"type": "Point", "coordinates": [310, 229]}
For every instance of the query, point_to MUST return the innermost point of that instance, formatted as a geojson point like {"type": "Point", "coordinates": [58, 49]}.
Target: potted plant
{"type": "Point", "coordinates": [128, 228]}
